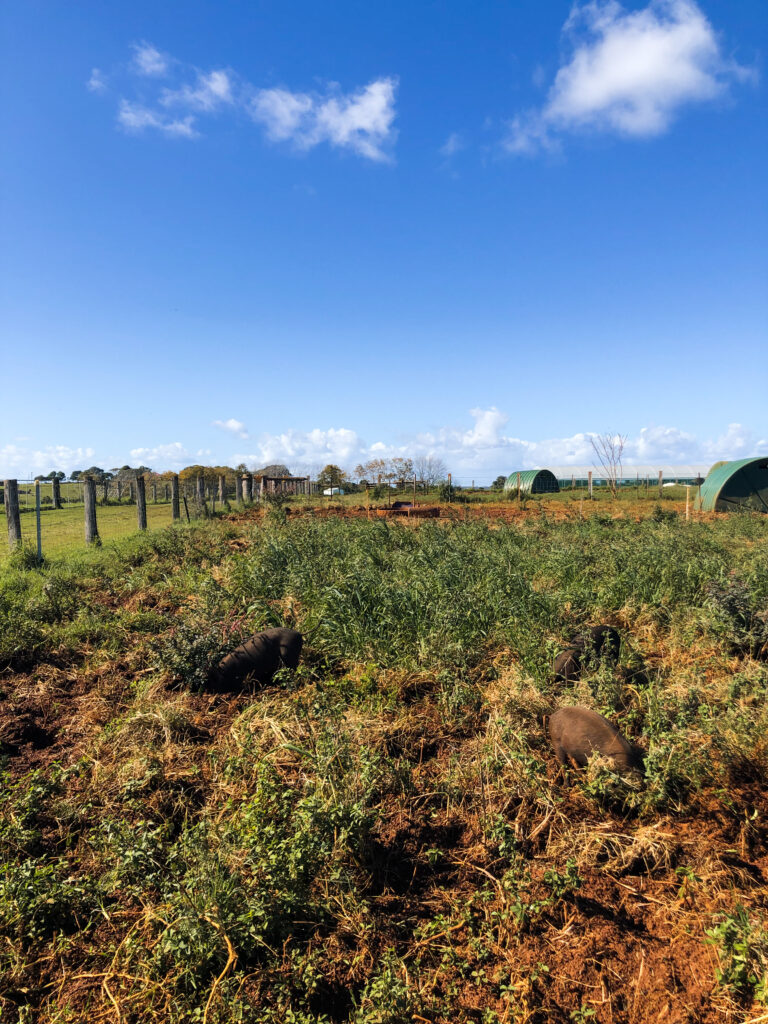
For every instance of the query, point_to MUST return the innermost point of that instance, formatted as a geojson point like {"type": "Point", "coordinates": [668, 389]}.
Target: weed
{"type": "Point", "coordinates": [742, 949]}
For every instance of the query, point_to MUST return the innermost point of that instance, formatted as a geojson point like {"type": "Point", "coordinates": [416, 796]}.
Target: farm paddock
{"type": "Point", "coordinates": [384, 835]}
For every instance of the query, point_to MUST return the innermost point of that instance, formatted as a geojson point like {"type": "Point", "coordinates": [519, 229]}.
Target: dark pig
{"type": "Point", "coordinates": [577, 733]}
{"type": "Point", "coordinates": [567, 665]}
{"type": "Point", "coordinates": [258, 658]}
{"type": "Point", "coordinates": [601, 641]}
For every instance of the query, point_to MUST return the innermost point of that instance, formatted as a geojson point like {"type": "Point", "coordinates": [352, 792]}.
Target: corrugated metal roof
{"type": "Point", "coordinates": [532, 481]}
{"type": "Point", "coordinates": [739, 484]}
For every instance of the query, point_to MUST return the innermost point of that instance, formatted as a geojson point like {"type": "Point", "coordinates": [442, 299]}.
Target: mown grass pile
{"type": "Point", "coordinates": [384, 836]}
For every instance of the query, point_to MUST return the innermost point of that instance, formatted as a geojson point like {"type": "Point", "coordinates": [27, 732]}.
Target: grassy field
{"type": "Point", "coordinates": [63, 530]}
{"type": "Point", "coordinates": [383, 836]}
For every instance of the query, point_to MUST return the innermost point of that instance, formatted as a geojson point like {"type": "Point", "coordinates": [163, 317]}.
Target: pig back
{"type": "Point", "coordinates": [577, 733]}
{"type": "Point", "coordinates": [289, 643]}
{"type": "Point", "coordinates": [259, 657]}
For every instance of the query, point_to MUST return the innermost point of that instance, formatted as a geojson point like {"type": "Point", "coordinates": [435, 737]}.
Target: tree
{"type": "Point", "coordinates": [402, 469]}
{"type": "Point", "coordinates": [330, 476]}
{"type": "Point", "coordinates": [273, 469]}
{"type": "Point", "coordinates": [609, 449]}
{"type": "Point", "coordinates": [498, 483]}
{"type": "Point", "coordinates": [430, 469]}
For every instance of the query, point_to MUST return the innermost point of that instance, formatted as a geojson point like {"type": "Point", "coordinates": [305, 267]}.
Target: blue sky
{"type": "Point", "coordinates": [309, 233]}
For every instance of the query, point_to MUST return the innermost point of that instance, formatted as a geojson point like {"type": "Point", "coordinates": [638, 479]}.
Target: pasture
{"type": "Point", "coordinates": [384, 835]}
{"type": "Point", "coordinates": [62, 530]}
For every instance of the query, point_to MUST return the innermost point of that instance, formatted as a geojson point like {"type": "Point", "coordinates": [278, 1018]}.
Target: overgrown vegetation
{"type": "Point", "coordinates": [383, 836]}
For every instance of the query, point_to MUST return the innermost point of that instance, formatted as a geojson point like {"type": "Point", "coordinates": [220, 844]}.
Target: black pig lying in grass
{"type": "Point", "coordinates": [258, 658]}
{"type": "Point", "coordinates": [577, 733]}
{"type": "Point", "coordinates": [597, 642]}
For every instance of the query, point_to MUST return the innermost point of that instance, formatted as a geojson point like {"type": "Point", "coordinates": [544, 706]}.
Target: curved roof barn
{"type": "Point", "coordinates": [742, 484]}
{"type": "Point", "coordinates": [532, 481]}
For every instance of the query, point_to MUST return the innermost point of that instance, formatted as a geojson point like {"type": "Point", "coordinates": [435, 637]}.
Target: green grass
{"type": "Point", "coordinates": [63, 530]}
{"type": "Point", "coordinates": [383, 836]}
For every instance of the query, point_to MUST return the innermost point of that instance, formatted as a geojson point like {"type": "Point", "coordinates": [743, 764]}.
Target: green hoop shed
{"type": "Point", "coordinates": [742, 484]}
{"type": "Point", "coordinates": [532, 481]}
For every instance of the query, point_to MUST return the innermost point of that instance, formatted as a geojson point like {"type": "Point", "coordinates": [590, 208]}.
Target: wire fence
{"type": "Point", "coordinates": [52, 517]}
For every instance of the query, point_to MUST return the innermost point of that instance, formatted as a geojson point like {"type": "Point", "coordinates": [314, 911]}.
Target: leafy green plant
{"type": "Point", "coordinates": [742, 949]}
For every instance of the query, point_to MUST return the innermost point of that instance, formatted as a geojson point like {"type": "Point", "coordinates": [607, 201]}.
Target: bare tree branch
{"type": "Point", "coordinates": [609, 449]}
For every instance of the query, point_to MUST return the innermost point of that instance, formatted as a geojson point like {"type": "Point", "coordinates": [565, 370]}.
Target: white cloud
{"type": "Point", "coordinates": [629, 73]}
{"type": "Point", "coordinates": [481, 450]}
{"type": "Point", "coordinates": [209, 92]}
{"type": "Point", "coordinates": [162, 456]}
{"type": "Point", "coordinates": [452, 145]}
{"type": "Point", "coordinates": [17, 462]}
{"type": "Point", "coordinates": [135, 118]}
{"type": "Point", "coordinates": [147, 60]}
{"type": "Point", "coordinates": [284, 114]}
{"type": "Point", "coordinates": [233, 426]}
{"type": "Point", "coordinates": [361, 121]}
{"type": "Point", "coordinates": [485, 448]}
{"type": "Point", "coordinates": [96, 82]}
{"type": "Point", "coordinates": [337, 445]}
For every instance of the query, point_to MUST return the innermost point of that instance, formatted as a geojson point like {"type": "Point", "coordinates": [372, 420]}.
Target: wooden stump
{"type": "Point", "coordinates": [11, 492]}
{"type": "Point", "coordinates": [89, 496]}
{"type": "Point", "coordinates": [175, 508]}
{"type": "Point", "coordinates": [141, 503]}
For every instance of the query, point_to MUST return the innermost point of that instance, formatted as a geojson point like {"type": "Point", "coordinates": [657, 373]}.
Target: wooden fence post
{"type": "Point", "coordinates": [222, 488]}
{"type": "Point", "coordinates": [201, 509]}
{"type": "Point", "coordinates": [661, 481]}
{"type": "Point", "coordinates": [141, 503]}
{"type": "Point", "coordinates": [11, 491]}
{"type": "Point", "coordinates": [119, 489]}
{"type": "Point", "coordinates": [38, 523]}
{"type": "Point", "coordinates": [56, 485]}
{"type": "Point", "coordinates": [687, 502]}
{"type": "Point", "coordinates": [104, 492]}
{"type": "Point", "coordinates": [238, 489]}
{"type": "Point", "coordinates": [154, 494]}
{"type": "Point", "coordinates": [518, 487]}
{"type": "Point", "coordinates": [589, 482]}
{"type": "Point", "coordinates": [249, 486]}
{"type": "Point", "coordinates": [130, 492]}
{"type": "Point", "coordinates": [175, 508]}
{"type": "Point", "coordinates": [89, 499]}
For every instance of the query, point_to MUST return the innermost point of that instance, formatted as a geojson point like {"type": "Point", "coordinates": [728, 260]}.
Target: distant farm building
{"type": "Point", "coordinates": [532, 481]}
{"type": "Point", "coordinates": [742, 484]}
{"type": "Point", "coordinates": [329, 491]}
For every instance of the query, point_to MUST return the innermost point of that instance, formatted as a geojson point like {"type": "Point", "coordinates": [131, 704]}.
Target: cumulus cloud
{"type": "Point", "coordinates": [629, 73]}
{"type": "Point", "coordinates": [162, 456]}
{"type": "Point", "coordinates": [305, 448]}
{"type": "Point", "coordinates": [208, 92]}
{"type": "Point", "coordinates": [19, 462]}
{"type": "Point", "coordinates": [149, 61]}
{"type": "Point", "coordinates": [452, 145]}
{"type": "Point", "coordinates": [480, 450]}
{"type": "Point", "coordinates": [486, 448]}
{"type": "Point", "coordinates": [96, 82]}
{"type": "Point", "coordinates": [361, 121]}
{"type": "Point", "coordinates": [135, 118]}
{"type": "Point", "coordinates": [233, 426]}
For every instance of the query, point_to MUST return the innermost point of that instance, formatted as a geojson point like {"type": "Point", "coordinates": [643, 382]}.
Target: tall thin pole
{"type": "Point", "coordinates": [89, 500]}
{"type": "Point", "coordinates": [37, 522]}
{"type": "Point", "coordinates": [11, 492]}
